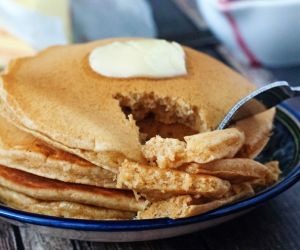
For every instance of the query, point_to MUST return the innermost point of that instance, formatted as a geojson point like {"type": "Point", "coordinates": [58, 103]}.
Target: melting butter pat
{"type": "Point", "coordinates": [151, 58]}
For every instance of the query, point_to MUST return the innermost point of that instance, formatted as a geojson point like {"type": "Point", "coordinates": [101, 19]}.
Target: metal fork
{"type": "Point", "coordinates": [260, 100]}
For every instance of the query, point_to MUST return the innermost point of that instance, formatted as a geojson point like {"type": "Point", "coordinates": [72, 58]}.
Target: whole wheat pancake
{"type": "Point", "coordinates": [272, 176]}
{"type": "Point", "coordinates": [22, 151]}
{"type": "Point", "coordinates": [56, 96]}
{"type": "Point", "coordinates": [201, 148]}
{"type": "Point", "coordinates": [60, 208]}
{"type": "Point", "coordinates": [52, 190]}
{"type": "Point", "coordinates": [186, 205]}
{"type": "Point", "coordinates": [257, 131]}
{"type": "Point", "coordinates": [235, 170]}
{"type": "Point", "coordinates": [142, 178]}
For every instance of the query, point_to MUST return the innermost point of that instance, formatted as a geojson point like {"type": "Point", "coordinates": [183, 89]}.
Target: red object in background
{"type": "Point", "coordinates": [237, 34]}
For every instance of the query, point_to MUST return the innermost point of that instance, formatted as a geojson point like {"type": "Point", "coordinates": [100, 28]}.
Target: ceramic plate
{"type": "Point", "coordinates": [284, 146]}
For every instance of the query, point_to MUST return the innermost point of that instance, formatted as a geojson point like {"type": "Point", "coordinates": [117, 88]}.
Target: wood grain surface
{"type": "Point", "coordinates": [273, 225]}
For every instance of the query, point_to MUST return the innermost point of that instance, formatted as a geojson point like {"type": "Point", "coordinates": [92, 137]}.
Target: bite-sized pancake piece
{"type": "Point", "coordinates": [235, 170]}
{"type": "Point", "coordinates": [274, 172]}
{"type": "Point", "coordinates": [53, 190]}
{"type": "Point", "coordinates": [165, 152]}
{"type": "Point", "coordinates": [257, 131]}
{"type": "Point", "coordinates": [22, 151]}
{"type": "Point", "coordinates": [217, 144]}
{"type": "Point", "coordinates": [64, 209]}
{"type": "Point", "coordinates": [58, 98]}
{"type": "Point", "coordinates": [200, 148]}
{"type": "Point", "coordinates": [142, 178]}
{"type": "Point", "coordinates": [186, 205]}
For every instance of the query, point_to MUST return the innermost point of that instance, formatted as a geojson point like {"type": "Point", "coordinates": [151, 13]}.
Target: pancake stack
{"type": "Point", "coordinates": [77, 144]}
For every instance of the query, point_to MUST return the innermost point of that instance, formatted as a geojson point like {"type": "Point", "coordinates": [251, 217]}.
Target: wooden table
{"type": "Point", "coordinates": [274, 225]}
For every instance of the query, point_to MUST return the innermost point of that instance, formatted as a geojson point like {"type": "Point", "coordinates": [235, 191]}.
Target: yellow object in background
{"type": "Point", "coordinates": [11, 47]}
{"type": "Point", "coordinates": [58, 8]}
{"type": "Point", "coordinates": [27, 26]}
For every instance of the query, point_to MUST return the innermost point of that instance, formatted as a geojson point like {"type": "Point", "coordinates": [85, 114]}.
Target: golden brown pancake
{"type": "Point", "coordinates": [52, 190]}
{"type": "Point", "coordinates": [22, 151]}
{"type": "Point", "coordinates": [201, 148]}
{"type": "Point", "coordinates": [60, 208]}
{"type": "Point", "coordinates": [272, 176]}
{"type": "Point", "coordinates": [214, 145]}
{"type": "Point", "coordinates": [186, 205]}
{"type": "Point", "coordinates": [235, 170]}
{"type": "Point", "coordinates": [142, 178]}
{"type": "Point", "coordinates": [57, 97]}
{"type": "Point", "coordinates": [257, 131]}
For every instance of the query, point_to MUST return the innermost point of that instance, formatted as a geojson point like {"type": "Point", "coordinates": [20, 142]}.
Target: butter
{"type": "Point", "coordinates": [151, 58]}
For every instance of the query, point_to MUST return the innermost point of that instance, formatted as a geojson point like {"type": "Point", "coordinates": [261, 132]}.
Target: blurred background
{"type": "Point", "coordinates": [259, 38]}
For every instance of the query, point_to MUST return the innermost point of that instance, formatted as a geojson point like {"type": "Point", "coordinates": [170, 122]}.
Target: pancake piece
{"type": "Point", "coordinates": [22, 151]}
{"type": "Point", "coordinates": [165, 152]}
{"type": "Point", "coordinates": [271, 178]}
{"type": "Point", "coordinates": [200, 148]}
{"type": "Point", "coordinates": [257, 131]}
{"type": "Point", "coordinates": [142, 178]}
{"type": "Point", "coordinates": [60, 208]}
{"type": "Point", "coordinates": [210, 146]}
{"type": "Point", "coordinates": [186, 205]}
{"type": "Point", "coordinates": [235, 170]}
{"type": "Point", "coordinates": [52, 190]}
{"type": "Point", "coordinates": [58, 98]}
{"type": "Point", "coordinates": [274, 172]}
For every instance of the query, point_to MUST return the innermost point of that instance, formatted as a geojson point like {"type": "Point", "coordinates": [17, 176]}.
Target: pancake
{"type": "Point", "coordinates": [22, 151]}
{"type": "Point", "coordinates": [57, 97]}
{"type": "Point", "coordinates": [257, 131]}
{"type": "Point", "coordinates": [60, 208]}
{"type": "Point", "coordinates": [52, 190]}
{"type": "Point", "coordinates": [142, 178]}
{"type": "Point", "coordinates": [235, 170]}
{"type": "Point", "coordinates": [271, 178]}
{"type": "Point", "coordinates": [201, 148]}
{"type": "Point", "coordinates": [186, 205]}
{"type": "Point", "coordinates": [214, 145]}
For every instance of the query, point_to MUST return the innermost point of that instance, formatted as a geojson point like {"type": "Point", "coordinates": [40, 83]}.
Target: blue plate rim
{"type": "Point", "coordinates": [139, 225]}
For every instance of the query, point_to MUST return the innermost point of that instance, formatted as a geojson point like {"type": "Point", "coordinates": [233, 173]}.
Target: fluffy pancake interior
{"type": "Point", "coordinates": [167, 117]}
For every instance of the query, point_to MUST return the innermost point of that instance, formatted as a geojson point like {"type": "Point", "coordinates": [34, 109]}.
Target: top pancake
{"type": "Point", "coordinates": [56, 96]}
